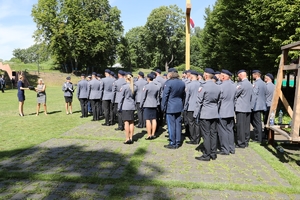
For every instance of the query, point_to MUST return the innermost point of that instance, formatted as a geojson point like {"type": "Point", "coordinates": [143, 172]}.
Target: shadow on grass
{"type": "Point", "coordinates": [73, 169]}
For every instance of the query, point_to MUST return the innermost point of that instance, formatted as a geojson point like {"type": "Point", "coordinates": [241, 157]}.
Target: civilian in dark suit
{"type": "Point", "coordinates": [172, 105]}
{"type": "Point", "coordinates": [243, 97]}
{"type": "Point", "coordinates": [149, 100]}
{"type": "Point", "coordinates": [140, 84]}
{"type": "Point", "coordinates": [83, 94]}
{"type": "Point", "coordinates": [207, 111]}
{"type": "Point", "coordinates": [258, 105]}
{"type": "Point", "coordinates": [127, 107]}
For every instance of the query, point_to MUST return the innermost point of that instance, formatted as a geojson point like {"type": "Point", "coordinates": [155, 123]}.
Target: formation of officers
{"type": "Point", "coordinates": [209, 105]}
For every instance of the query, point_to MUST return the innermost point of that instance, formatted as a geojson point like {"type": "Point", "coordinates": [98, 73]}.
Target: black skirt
{"type": "Point", "coordinates": [128, 115]}
{"type": "Point", "coordinates": [150, 113]}
{"type": "Point", "coordinates": [68, 99]}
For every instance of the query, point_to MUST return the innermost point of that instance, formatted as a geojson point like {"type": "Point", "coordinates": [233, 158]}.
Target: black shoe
{"type": "Point", "coordinates": [239, 147]}
{"type": "Point", "coordinates": [232, 152]}
{"type": "Point", "coordinates": [119, 129]}
{"type": "Point", "coordinates": [93, 120]}
{"type": "Point", "coordinates": [139, 126]}
{"type": "Point", "coordinates": [153, 137]}
{"type": "Point", "coordinates": [202, 158]}
{"type": "Point", "coordinates": [213, 157]}
{"type": "Point", "coordinates": [81, 116]}
{"type": "Point", "coordinates": [128, 142]}
{"type": "Point", "coordinates": [222, 153]}
{"type": "Point", "coordinates": [169, 146]}
{"type": "Point", "coordinates": [105, 124]}
{"type": "Point", "coordinates": [148, 138]}
{"type": "Point", "coordinates": [167, 136]}
{"type": "Point", "coordinates": [190, 142]}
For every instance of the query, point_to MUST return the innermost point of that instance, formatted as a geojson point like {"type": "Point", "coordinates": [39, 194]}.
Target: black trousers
{"type": "Point", "coordinates": [160, 116]}
{"type": "Point", "coordinates": [84, 108]}
{"type": "Point", "coordinates": [95, 108]}
{"type": "Point", "coordinates": [119, 116]}
{"type": "Point", "coordinates": [100, 108]}
{"type": "Point", "coordinates": [140, 113]}
{"type": "Point", "coordinates": [108, 111]}
{"type": "Point", "coordinates": [242, 129]}
{"type": "Point", "coordinates": [255, 120]}
{"type": "Point", "coordinates": [209, 134]}
{"type": "Point", "coordinates": [226, 134]}
{"type": "Point", "coordinates": [186, 124]}
{"type": "Point", "coordinates": [194, 128]}
{"type": "Point", "coordinates": [266, 115]}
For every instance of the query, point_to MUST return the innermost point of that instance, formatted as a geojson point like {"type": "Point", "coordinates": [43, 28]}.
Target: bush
{"type": "Point", "coordinates": [195, 68]}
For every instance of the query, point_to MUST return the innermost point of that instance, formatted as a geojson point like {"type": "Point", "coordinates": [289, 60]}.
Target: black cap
{"type": "Point", "coordinates": [194, 72]}
{"type": "Point", "coordinates": [225, 71]}
{"type": "Point", "coordinates": [158, 71]}
{"type": "Point", "coordinates": [214, 77]}
{"type": "Point", "coordinates": [151, 76]}
{"type": "Point", "coordinates": [256, 71]}
{"type": "Point", "coordinates": [141, 73]}
{"type": "Point", "coordinates": [68, 78]}
{"type": "Point", "coordinates": [98, 75]}
{"type": "Point", "coordinates": [112, 73]}
{"type": "Point", "coordinates": [217, 72]}
{"type": "Point", "coordinates": [82, 74]}
{"type": "Point", "coordinates": [172, 70]}
{"type": "Point", "coordinates": [121, 72]}
{"type": "Point", "coordinates": [240, 71]}
{"type": "Point", "coordinates": [107, 71]}
{"type": "Point", "coordinates": [200, 74]}
{"type": "Point", "coordinates": [165, 74]}
{"type": "Point", "coordinates": [270, 76]}
{"type": "Point", "coordinates": [94, 73]}
{"type": "Point", "coordinates": [209, 71]}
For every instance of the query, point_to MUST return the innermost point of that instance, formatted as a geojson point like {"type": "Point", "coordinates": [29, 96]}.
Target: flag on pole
{"type": "Point", "coordinates": [192, 23]}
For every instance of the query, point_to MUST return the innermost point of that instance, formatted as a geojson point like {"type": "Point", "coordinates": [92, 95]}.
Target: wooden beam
{"type": "Point", "coordinates": [290, 46]}
{"type": "Point", "coordinates": [296, 109]}
{"type": "Point", "coordinates": [281, 132]}
{"type": "Point", "coordinates": [291, 67]}
{"type": "Point", "coordinates": [285, 103]}
{"type": "Point", "coordinates": [188, 8]}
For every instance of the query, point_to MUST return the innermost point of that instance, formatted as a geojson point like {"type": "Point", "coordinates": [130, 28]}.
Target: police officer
{"type": "Point", "coordinates": [117, 96]}
{"type": "Point", "coordinates": [159, 78]}
{"type": "Point", "coordinates": [226, 113]}
{"type": "Point", "coordinates": [94, 89]}
{"type": "Point", "coordinates": [172, 105]}
{"type": "Point", "coordinates": [243, 97]}
{"type": "Point", "coordinates": [106, 98]}
{"type": "Point", "coordinates": [270, 87]}
{"type": "Point", "coordinates": [258, 104]}
{"type": "Point", "coordinates": [200, 78]}
{"type": "Point", "coordinates": [189, 106]}
{"type": "Point", "coordinates": [159, 111]}
{"type": "Point", "coordinates": [99, 76]}
{"type": "Point", "coordinates": [207, 113]}
{"type": "Point", "coordinates": [83, 94]}
{"type": "Point", "coordinates": [68, 90]}
{"type": "Point", "coordinates": [217, 75]}
{"type": "Point", "coordinates": [148, 104]}
{"type": "Point", "coordinates": [140, 84]}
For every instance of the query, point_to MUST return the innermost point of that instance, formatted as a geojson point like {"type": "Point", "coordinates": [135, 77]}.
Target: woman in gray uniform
{"type": "Point", "coordinates": [127, 107]}
{"type": "Point", "coordinates": [149, 102]}
{"type": "Point", "coordinates": [68, 90]}
{"type": "Point", "coordinates": [41, 96]}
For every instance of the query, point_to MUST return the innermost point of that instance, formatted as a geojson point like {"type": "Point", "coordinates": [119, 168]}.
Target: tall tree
{"type": "Point", "coordinates": [79, 33]}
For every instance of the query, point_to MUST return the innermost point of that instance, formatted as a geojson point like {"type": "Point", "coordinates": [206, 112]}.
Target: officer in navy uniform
{"type": "Point", "coordinates": [172, 105]}
{"type": "Point", "coordinates": [117, 97]}
{"type": "Point", "coordinates": [243, 97]}
{"type": "Point", "coordinates": [83, 94]}
{"type": "Point", "coordinates": [269, 96]}
{"type": "Point", "coordinates": [207, 112]}
{"type": "Point", "coordinates": [140, 84]}
{"type": "Point", "coordinates": [226, 113]}
{"type": "Point", "coordinates": [149, 100]}
{"type": "Point", "coordinates": [94, 89]}
{"type": "Point", "coordinates": [258, 104]}
{"type": "Point", "coordinates": [106, 98]}
{"type": "Point", "coordinates": [190, 106]}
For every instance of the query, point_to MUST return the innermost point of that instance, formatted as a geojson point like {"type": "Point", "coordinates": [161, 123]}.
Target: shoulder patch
{"type": "Point", "coordinates": [238, 86]}
{"type": "Point", "coordinates": [121, 89]}
{"type": "Point", "coordinates": [200, 89]}
{"type": "Point", "coordinates": [143, 88]}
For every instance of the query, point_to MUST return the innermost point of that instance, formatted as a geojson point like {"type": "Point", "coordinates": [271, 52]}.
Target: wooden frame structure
{"type": "Point", "coordinates": [294, 112]}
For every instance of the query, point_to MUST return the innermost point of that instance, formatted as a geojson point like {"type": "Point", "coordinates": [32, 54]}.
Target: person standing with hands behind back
{"type": "Point", "coordinates": [68, 90]}
{"type": "Point", "coordinates": [21, 94]}
{"type": "Point", "coordinates": [41, 96]}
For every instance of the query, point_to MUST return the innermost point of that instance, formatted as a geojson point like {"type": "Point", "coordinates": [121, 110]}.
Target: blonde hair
{"type": "Point", "coordinates": [41, 80]}
{"type": "Point", "coordinates": [129, 79]}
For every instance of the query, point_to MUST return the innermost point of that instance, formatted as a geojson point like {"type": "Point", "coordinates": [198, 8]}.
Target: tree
{"type": "Point", "coordinates": [164, 36]}
{"type": "Point", "coordinates": [79, 33]}
{"type": "Point", "coordinates": [33, 54]}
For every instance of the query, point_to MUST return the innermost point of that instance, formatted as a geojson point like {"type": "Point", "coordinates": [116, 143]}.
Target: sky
{"type": "Point", "coordinates": [17, 26]}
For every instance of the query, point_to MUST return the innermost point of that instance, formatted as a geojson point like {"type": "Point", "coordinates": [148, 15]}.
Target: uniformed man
{"type": "Point", "coordinates": [165, 76]}
{"type": "Point", "coordinates": [258, 104]}
{"type": "Point", "coordinates": [269, 96]}
{"type": "Point", "coordinates": [190, 106]}
{"type": "Point", "coordinates": [207, 113]}
{"type": "Point", "coordinates": [68, 90]}
{"type": "Point", "coordinates": [159, 111]}
{"type": "Point", "coordinates": [83, 94]}
{"type": "Point", "coordinates": [200, 78]}
{"type": "Point", "coordinates": [140, 84]}
{"type": "Point", "coordinates": [243, 97]}
{"type": "Point", "coordinates": [162, 81]}
{"type": "Point", "coordinates": [94, 89]}
{"type": "Point", "coordinates": [217, 75]}
{"type": "Point", "coordinates": [106, 98]}
{"type": "Point", "coordinates": [116, 89]}
{"type": "Point", "coordinates": [99, 78]}
{"type": "Point", "coordinates": [159, 78]}
{"type": "Point", "coordinates": [172, 105]}
{"type": "Point", "coordinates": [226, 113]}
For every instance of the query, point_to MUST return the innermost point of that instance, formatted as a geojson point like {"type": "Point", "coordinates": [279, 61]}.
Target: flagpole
{"type": "Point", "coordinates": [188, 35]}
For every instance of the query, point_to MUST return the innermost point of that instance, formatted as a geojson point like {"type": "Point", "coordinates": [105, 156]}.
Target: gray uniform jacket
{"type": "Point", "coordinates": [150, 96]}
{"type": "Point", "coordinates": [258, 102]}
{"type": "Point", "coordinates": [82, 89]}
{"type": "Point", "coordinates": [243, 95]}
{"type": "Point", "coordinates": [107, 88]}
{"type": "Point", "coordinates": [68, 90]}
{"type": "Point", "coordinates": [161, 88]}
{"type": "Point", "coordinates": [191, 93]}
{"type": "Point", "coordinates": [269, 93]}
{"type": "Point", "coordinates": [139, 84]}
{"type": "Point", "coordinates": [226, 103]}
{"type": "Point", "coordinates": [116, 90]}
{"type": "Point", "coordinates": [207, 101]}
{"type": "Point", "coordinates": [127, 99]}
{"type": "Point", "coordinates": [94, 89]}
{"type": "Point", "coordinates": [161, 80]}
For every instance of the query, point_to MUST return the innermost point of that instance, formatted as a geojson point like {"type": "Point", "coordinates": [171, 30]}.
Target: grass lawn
{"type": "Point", "coordinates": [82, 158]}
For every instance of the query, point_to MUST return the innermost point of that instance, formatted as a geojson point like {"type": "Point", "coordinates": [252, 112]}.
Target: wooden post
{"type": "Point", "coordinates": [188, 35]}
